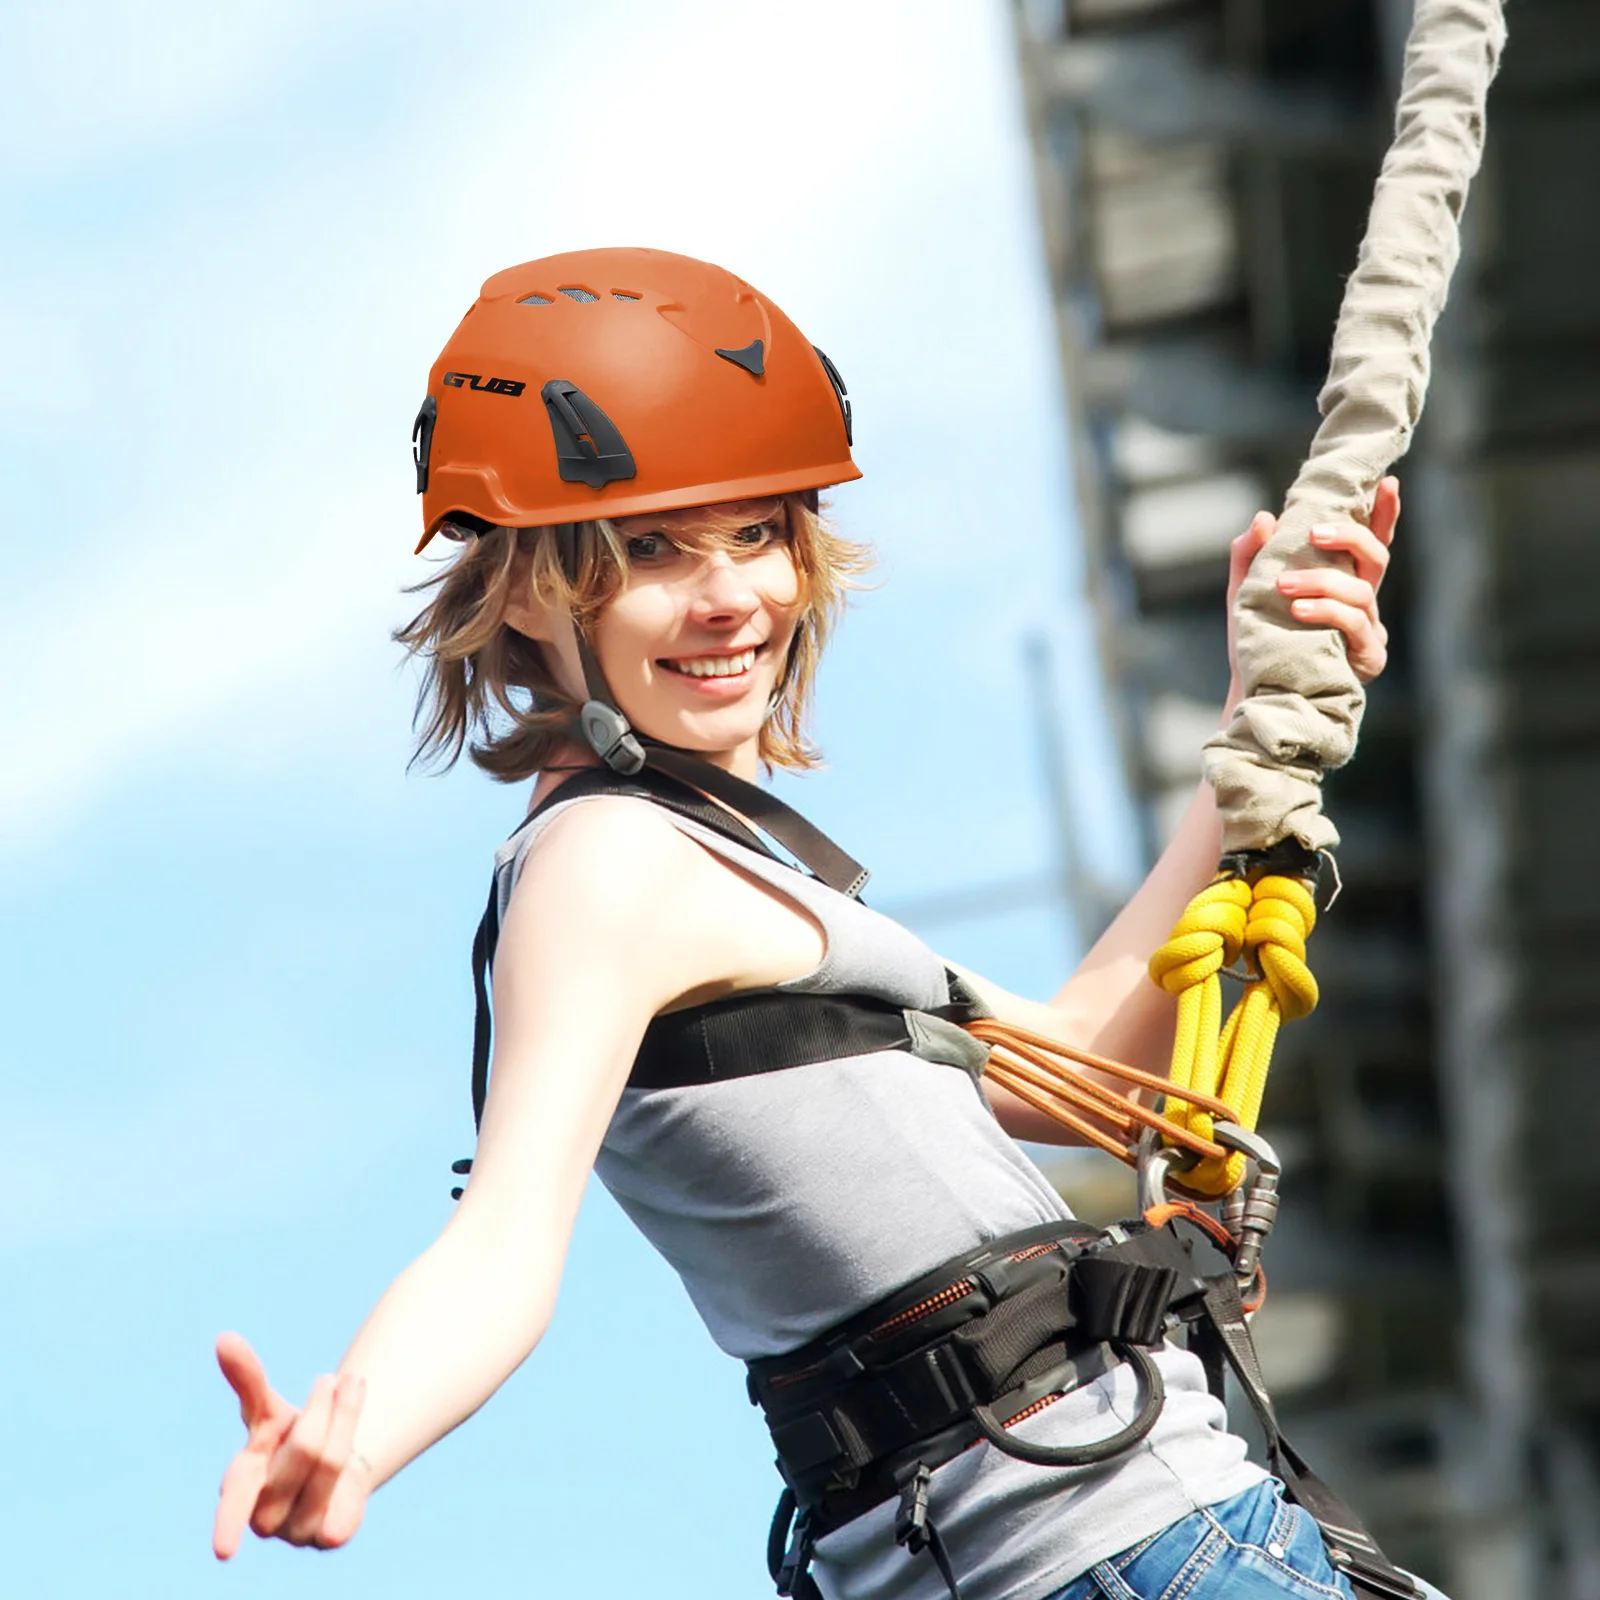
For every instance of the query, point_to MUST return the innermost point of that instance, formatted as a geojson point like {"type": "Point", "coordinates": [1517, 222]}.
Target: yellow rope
{"type": "Point", "coordinates": [1267, 923]}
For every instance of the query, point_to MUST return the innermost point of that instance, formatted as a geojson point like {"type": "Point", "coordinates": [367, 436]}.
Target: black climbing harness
{"type": "Point", "coordinates": [867, 1412]}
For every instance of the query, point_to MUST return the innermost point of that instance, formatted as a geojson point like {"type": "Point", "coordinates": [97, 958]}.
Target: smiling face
{"type": "Point", "coordinates": [708, 624]}
{"type": "Point", "coordinates": [694, 643]}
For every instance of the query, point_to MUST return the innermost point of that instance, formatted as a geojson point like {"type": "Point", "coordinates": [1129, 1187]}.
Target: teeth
{"type": "Point", "coordinates": [716, 666]}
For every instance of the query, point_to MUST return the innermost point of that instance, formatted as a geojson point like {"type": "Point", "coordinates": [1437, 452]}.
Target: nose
{"type": "Point", "coordinates": [723, 592]}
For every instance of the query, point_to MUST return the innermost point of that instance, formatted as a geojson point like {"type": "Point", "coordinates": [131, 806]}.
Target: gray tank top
{"type": "Point", "coordinates": [790, 1200]}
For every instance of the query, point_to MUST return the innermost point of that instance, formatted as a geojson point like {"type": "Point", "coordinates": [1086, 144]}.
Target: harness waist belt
{"type": "Point", "coordinates": [962, 1352]}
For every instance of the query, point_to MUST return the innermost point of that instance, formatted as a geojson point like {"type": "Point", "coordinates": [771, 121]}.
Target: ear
{"type": "Point", "coordinates": [549, 627]}
{"type": "Point", "coordinates": [541, 623]}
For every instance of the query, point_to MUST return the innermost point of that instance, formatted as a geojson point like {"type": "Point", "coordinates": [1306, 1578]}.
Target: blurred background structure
{"type": "Point", "coordinates": [1204, 169]}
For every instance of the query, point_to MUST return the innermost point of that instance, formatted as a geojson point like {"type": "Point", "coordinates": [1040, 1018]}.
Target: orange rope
{"type": "Point", "coordinates": [1044, 1073]}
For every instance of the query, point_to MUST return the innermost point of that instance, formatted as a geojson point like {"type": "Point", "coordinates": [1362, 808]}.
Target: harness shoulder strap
{"type": "Point", "coordinates": [656, 787]}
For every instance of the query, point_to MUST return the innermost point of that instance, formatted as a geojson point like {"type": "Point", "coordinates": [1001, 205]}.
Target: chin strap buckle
{"type": "Point", "coordinates": [607, 733]}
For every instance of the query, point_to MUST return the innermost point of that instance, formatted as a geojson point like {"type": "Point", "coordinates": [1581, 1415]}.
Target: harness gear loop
{"type": "Point", "coordinates": [1154, 1395]}
{"type": "Point", "coordinates": [1265, 924]}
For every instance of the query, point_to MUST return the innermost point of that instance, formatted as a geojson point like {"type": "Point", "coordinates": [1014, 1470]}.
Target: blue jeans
{"type": "Point", "coordinates": [1253, 1545]}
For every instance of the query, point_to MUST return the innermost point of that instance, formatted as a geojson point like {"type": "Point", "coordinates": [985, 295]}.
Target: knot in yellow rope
{"type": "Point", "coordinates": [1267, 923]}
{"type": "Point", "coordinates": [1282, 915]}
{"type": "Point", "coordinates": [1210, 935]}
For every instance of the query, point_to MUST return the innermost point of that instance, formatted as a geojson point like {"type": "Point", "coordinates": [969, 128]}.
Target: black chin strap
{"type": "Point", "coordinates": [607, 732]}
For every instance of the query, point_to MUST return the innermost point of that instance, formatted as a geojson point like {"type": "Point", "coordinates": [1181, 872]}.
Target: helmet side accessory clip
{"type": "Point", "coordinates": [422, 439]}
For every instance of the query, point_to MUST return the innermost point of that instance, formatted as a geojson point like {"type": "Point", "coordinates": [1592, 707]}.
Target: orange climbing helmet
{"type": "Point", "coordinates": [605, 383]}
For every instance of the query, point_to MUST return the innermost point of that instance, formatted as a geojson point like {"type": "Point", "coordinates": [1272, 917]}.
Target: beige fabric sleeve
{"type": "Point", "coordinates": [1303, 704]}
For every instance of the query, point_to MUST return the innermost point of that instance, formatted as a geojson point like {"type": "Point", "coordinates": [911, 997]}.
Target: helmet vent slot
{"type": "Point", "coordinates": [589, 449]}
{"type": "Point", "coordinates": [582, 296]}
{"type": "Point", "coordinates": [623, 294]}
{"type": "Point", "coordinates": [535, 300]}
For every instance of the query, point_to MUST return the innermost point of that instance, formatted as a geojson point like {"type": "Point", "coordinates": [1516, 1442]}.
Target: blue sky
{"type": "Point", "coordinates": [233, 931]}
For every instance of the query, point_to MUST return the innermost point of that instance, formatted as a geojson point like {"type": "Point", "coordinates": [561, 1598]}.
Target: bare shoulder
{"type": "Point", "coordinates": [620, 872]}
{"type": "Point", "coordinates": [611, 864]}
{"type": "Point", "coordinates": [613, 832]}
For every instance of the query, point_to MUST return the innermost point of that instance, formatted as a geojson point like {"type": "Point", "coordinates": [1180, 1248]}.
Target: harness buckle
{"type": "Point", "coordinates": [1387, 1581]}
{"type": "Point", "coordinates": [911, 1519]}
{"type": "Point", "coordinates": [797, 1558]}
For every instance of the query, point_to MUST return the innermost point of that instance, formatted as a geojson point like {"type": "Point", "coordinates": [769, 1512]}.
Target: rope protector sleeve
{"type": "Point", "coordinates": [1302, 707]}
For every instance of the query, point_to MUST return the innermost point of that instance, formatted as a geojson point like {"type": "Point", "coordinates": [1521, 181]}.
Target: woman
{"type": "Point", "coordinates": [644, 577]}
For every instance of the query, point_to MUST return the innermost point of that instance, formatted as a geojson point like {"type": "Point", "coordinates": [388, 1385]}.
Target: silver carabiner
{"type": "Point", "coordinates": [1249, 1211]}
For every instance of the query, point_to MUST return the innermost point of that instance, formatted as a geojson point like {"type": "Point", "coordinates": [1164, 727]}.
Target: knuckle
{"type": "Point", "coordinates": [265, 1521]}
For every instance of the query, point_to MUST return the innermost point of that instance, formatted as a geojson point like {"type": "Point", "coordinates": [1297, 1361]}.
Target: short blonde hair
{"type": "Point", "coordinates": [489, 690]}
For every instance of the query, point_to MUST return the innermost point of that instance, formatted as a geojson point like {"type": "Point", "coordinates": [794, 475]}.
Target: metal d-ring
{"type": "Point", "coordinates": [1155, 1161]}
{"type": "Point", "coordinates": [1086, 1455]}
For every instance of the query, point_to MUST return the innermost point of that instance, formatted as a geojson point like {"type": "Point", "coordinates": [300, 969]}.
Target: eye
{"type": "Point", "coordinates": [644, 547]}
{"type": "Point", "coordinates": [757, 536]}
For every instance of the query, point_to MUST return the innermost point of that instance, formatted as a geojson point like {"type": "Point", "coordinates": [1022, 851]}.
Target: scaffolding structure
{"type": "Point", "coordinates": [1204, 170]}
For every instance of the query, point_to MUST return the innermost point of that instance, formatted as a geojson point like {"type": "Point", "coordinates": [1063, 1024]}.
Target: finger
{"type": "Point", "coordinates": [310, 1508]}
{"type": "Point", "coordinates": [241, 1483]}
{"type": "Point", "coordinates": [1386, 509]}
{"type": "Point", "coordinates": [293, 1461]}
{"type": "Point", "coordinates": [1366, 640]}
{"type": "Point", "coordinates": [347, 1508]}
{"type": "Point", "coordinates": [1329, 583]}
{"type": "Point", "coordinates": [1369, 553]}
{"type": "Point", "coordinates": [1247, 546]}
{"type": "Point", "coordinates": [246, 1377]}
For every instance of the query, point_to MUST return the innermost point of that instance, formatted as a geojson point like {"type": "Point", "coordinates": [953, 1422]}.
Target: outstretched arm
{"type": "Point", "coordinates": [580, 971]}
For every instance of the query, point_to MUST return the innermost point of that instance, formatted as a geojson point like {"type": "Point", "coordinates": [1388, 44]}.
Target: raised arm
{"type": "Point", "coordinates": [1109, 1005]}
